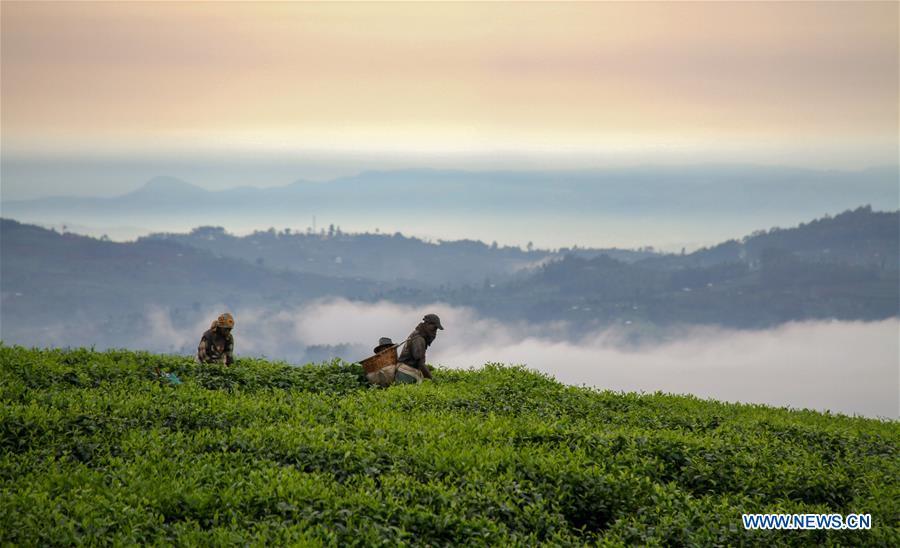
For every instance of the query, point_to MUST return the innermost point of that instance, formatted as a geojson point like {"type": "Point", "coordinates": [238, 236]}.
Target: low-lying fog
{"type": "Point", "coordinates": [847, 367]}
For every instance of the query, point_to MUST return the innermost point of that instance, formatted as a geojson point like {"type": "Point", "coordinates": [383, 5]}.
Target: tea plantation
{"type": "Point", "coordinates": [95, 449]}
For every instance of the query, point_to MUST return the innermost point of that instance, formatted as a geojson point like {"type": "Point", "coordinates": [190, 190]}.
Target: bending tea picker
{"type": "Point", "coordinates": [386, 367]}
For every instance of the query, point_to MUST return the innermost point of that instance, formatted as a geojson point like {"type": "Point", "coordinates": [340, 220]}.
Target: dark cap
{"type": "Point", "coordinates": [433, 319]}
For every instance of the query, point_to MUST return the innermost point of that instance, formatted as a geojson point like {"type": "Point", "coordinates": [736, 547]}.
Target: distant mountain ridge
{"type": "Point", "coordinates": [644, 189]}
{"type": "Point", "coordinates": [166, 185]}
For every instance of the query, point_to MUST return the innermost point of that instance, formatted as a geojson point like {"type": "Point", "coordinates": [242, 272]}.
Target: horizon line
{"type": "Point", "coordinates": [473, 171]}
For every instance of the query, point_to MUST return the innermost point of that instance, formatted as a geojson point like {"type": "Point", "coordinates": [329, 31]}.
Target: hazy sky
{"type": "Point", "coordinates": [804, 83]}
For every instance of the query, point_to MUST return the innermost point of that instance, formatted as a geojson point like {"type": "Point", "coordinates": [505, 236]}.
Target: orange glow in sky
{"type": "Point", "coordinates": [451, 77]}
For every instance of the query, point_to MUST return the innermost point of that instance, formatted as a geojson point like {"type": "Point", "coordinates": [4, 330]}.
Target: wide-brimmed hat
{"type": "Point", "coordinates": [383, 343]}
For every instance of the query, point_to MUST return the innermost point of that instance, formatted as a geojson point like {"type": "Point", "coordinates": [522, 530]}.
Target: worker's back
{"type": "Point", "coordinates": [413, 353]}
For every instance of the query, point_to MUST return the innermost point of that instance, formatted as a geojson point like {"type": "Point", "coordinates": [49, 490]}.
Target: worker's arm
{"type": "Point", "coordinates": [417, 348]}
{"type": "Point", "coordinates": [201, 351]}
{"type": "Point", "coordinates": [417, 351]}
{"type": "Point", "coordinates": [229, 350]}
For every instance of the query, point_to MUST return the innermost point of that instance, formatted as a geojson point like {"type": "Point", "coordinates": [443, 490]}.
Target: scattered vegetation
{"type": "Point", "coordinates": [95, 449]}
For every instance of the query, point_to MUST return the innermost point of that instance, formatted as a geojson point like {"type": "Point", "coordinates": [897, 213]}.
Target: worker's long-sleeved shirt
{"type": "Point", "coordinates": [413, 353]}
{"type": "Point", "coordinates": [216, 348]}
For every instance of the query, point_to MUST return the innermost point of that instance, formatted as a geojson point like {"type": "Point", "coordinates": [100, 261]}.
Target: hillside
{"type": "Point", "coordinates": [860, 237]}
{"type": "Point", "coordinates": [843, 267]}
{"type": "Point", "coordinates": [96, 451]}
{"type": "Point", "coordinates": [382, 257]}
{"type": "Point", "coordinates": [54, 282]}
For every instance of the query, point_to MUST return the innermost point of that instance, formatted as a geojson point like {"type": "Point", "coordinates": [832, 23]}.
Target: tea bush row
{"type": "Point", "coordinates": [95, 449]}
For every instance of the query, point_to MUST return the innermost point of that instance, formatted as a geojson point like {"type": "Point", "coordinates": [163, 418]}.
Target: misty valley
{"type": "Point", "coordinates": [63, 289]}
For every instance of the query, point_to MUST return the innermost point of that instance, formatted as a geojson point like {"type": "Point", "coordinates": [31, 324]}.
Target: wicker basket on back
{"type": "Point", "coordinates": [386, 357]}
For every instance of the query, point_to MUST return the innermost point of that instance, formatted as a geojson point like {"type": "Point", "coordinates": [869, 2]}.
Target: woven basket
{"type": "Point", "coordinates": [386, 357]}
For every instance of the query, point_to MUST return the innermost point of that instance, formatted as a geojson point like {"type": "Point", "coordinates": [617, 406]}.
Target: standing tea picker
{"type": "Point", "coordinates": [385, 367]}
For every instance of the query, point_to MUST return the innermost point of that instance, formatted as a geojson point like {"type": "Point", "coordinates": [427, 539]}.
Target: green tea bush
{"type": "Point", "coordinates": [95, 449]}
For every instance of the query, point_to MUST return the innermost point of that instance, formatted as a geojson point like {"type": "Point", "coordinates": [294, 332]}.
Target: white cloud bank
{"type": "Point", "coordinates": [847, 367]}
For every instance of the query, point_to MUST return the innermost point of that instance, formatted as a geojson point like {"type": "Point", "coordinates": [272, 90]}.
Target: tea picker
{"type": "Point", "coordinates": [386, 368]}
